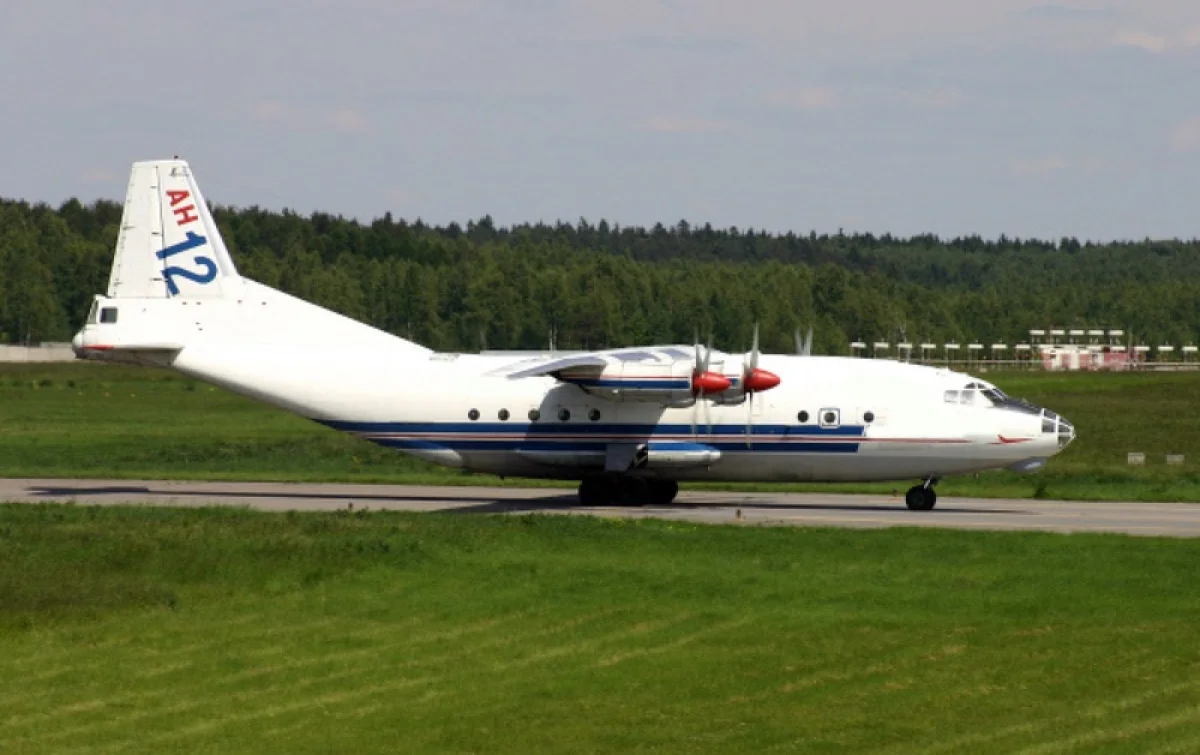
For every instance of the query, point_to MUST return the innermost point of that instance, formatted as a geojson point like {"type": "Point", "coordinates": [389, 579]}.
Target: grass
{"type": "Point", "coordinates": [88, 420]}
{"type": "Point", "coordinates": [152, 630]}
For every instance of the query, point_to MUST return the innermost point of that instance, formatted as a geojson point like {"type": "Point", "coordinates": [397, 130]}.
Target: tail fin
{"type": "Point", "coordinates": [169, 245]}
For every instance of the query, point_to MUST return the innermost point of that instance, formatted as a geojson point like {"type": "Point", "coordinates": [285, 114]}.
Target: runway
{"type": "Point", "coordinates": [772, 509]}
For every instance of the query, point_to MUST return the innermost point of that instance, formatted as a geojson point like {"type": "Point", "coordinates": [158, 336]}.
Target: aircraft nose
{"type": "Point", "coordinates": [1066, 432]}
{"type": "Point", "coordinates": [77, 344]}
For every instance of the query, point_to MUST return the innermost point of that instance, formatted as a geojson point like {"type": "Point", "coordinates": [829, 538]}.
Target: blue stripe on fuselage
{"type": "Point", "coordinates": [554, 427]}
{"type": "Point", "coordinates": [796, 447]}
{"type": "Point", "coordinates": [565, 436]}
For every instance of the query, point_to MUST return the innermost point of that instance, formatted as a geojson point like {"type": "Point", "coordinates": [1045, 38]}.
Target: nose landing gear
{"type": "Point", "coordinates": [921, 497]}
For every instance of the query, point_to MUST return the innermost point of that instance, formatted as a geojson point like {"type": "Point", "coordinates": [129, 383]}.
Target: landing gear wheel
{"type": "Point", "coordinates": [661, 492]}
{"type": "Point", "coordinates": [634, 491]}
{"type": "Point", "coordinates": [920, 498]}
{"type": "Point", "coordinates": [598, 491]}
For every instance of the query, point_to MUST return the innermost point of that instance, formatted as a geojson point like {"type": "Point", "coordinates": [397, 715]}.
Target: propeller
{"type": "Point", "coordinates": [705, 382]}
{"type": "Point", "coordinates": [755, 379]}
{"type": "Point", "coordinates": [804, 345]}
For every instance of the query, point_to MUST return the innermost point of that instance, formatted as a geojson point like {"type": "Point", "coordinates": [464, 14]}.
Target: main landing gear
{"type": "Point", "coordinates": [624, 490]}
{"type": "Point", "coordinates": [921, 497]}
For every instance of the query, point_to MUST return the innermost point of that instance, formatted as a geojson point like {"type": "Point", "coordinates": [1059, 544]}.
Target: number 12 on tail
{"type": "Point", "coordinates": [193, 240]}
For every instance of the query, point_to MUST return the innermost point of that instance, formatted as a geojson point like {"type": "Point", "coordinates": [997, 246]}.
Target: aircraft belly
{"type": "Point", "coordinates": [744, 465]}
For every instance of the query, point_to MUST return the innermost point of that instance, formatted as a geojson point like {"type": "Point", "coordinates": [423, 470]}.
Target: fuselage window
{"type": "Point", "coordinates": [534, 415]}
{"type": "Point", "coordinates": [830, 417]}
{"type": "Point", "coordinates": [108, 315]}
{"type": "Point", "coordinates": [503, 415]}
{"type": "Point", "coordinates": [473, 415]}
{"type": "Point", "coordinates": [869, 417]}
{"type": "Point", "coordinates": [802, 416]}
{"type": "Point", "coordinates": [564, 414]}
{"type": "Point", "coordinates": [594, 415]}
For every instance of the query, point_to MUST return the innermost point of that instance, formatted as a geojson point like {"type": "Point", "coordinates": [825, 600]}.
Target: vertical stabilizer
{"type": "Point", "coordinates": [169, 245]}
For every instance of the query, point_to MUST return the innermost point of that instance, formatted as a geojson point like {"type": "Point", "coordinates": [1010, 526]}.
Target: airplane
{"type": "Point", "coordinates": [629, 424]}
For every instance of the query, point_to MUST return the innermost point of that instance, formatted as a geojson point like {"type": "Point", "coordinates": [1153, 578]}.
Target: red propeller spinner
{"type": "Point", "coordinates": [711, 382]}
{"type": "Point", "coordinates": [758, 379]}
{"type": "Point", "coordinates": [755, 378]}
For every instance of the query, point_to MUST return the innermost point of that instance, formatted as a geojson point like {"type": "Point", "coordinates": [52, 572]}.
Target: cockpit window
{"type": "Point", "coordinates": [108, 315]}
{"type": "Point", "coordinates": [995, 395]}
{"type": "Point", "coordinates": [965, 397]}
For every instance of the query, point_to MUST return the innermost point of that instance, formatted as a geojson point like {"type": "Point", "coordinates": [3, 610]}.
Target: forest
{"type": "Point", "coordinates": [596, 284]}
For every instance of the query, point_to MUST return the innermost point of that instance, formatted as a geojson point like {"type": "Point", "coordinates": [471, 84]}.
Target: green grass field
{"type": "Point", "coordinates": [160, 630]}
{"type": "Point", "coordinates": [88, 420]}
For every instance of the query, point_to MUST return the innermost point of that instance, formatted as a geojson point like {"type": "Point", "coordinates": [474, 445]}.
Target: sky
{"type": "Point", "coordinates": [952, 117]}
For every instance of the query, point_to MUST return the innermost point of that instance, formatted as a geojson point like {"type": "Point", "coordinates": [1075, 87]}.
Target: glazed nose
{"type": "Point", "coordinates": [1066, 432]}
{"type": "Point", "coordinates": [1058, 425]}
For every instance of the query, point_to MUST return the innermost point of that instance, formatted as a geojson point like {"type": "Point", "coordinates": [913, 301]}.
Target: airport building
{"type": "Point", "coordinates": [1054, 348]}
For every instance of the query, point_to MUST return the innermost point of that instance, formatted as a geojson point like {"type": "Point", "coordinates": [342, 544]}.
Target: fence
{"type": "Point", "coordinates": [44, 352]}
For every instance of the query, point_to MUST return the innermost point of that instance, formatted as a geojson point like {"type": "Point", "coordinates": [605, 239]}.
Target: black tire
{"type": "Point", "coordinates": [661, 492]}
{"type": "Point", "coordinates": [634, 491]}
{"type": "Point", "coordinates": [597, 491]}
{"type": "Point", "coordinates": [920, 498]}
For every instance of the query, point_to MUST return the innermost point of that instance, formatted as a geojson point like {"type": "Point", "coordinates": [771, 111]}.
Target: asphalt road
{"type": "Point", "coordinates": [775, 509]}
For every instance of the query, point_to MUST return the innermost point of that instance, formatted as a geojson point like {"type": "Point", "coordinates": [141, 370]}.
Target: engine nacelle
{"type": "Point", "coordinates": [675, 455]}
{"type": "Point", "coordinates": [669, 384]}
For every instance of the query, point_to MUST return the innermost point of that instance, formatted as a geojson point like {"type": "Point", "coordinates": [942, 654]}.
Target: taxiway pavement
{"type": "Point", "coordinates": [775, 509]}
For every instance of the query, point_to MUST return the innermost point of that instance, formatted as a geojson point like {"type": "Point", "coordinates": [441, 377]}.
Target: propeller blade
{"type": "Point", "coordinates": [799, 343]}
{"type": "Point", "coordinates": [754, 350]}
{"type": "Point", "coordinates": [707, 420]}
{"type": "Point", "coordinates": [749, 417]}
{"type": "Point", "coordinates": [808, 342]}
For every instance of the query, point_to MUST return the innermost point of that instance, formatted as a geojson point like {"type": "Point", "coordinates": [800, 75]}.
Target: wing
{"type": "Point", "coordinates": [579, 364]}
{"type": "Point", "coordinates": [659, 374]}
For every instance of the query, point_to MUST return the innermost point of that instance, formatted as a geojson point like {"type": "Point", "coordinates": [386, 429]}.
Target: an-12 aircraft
{"type": "Point", "coordinates": [629, 423]}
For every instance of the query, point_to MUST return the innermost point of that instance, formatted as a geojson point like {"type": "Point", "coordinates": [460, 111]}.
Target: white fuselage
{"type": "Point", "coordinates": [890, 420]}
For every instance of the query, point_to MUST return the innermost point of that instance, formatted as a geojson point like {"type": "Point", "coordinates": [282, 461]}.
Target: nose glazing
{"type": "Point", "coordinates": [1056, 424]}
{"type": "Point", "coordinates": [1066, 432]}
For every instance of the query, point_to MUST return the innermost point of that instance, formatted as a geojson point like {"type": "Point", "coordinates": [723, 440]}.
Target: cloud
{"type": "Point", "coordinates": [931, 98]}
{"type": "Point", "coordinates": [675, 124]}
{"type": "Point", "coordinates": [349, 121]}
{"type": "Point", "coordinates": [1069, 13]}
{"type": "Point", "coordinates": [1186, 136]}
{"type": "Point", "coordinates": [1040, 166]}
{"type": "Point", "coordinates": [269, 110]}
{"type": "Point", "coordinates": [341, 120]}
{"type": "Point", "coordinates": [1192, 37]}
{"type": "Point", "coordinates": [1105, 164]}
{"type": "Point", "coordinates": [812, 98]}
{"type": "Point", "coordinates": [1142, 40]}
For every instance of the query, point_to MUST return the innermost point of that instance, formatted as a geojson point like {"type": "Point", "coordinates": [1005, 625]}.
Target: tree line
{"type": "Point", "coordinates": [596, 285]}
